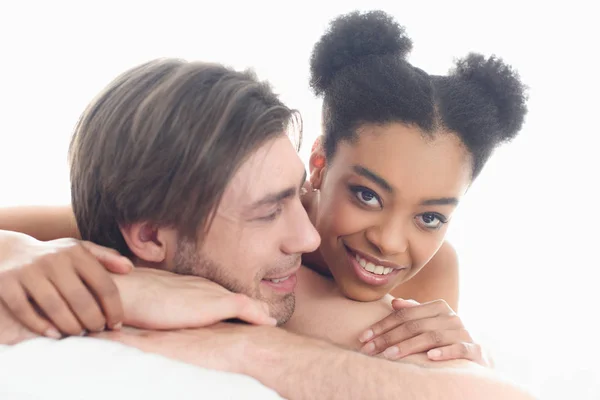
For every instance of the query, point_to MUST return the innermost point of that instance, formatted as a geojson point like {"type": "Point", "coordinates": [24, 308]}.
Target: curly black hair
{"type": "Point", "coordinates": [359, 66]}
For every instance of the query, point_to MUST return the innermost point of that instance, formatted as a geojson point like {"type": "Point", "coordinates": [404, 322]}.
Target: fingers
{"type": "Point", "coordinates": [81, 301]}
{"type": "Point", "coordinates": [100, 283]}
{"type": "Point", "coordinates": [402, 303]}
{"type": "Point", "coordinates": [457, 351]}
{"type": "Point", "coordinates": [264, 307]}
{"type": "Point", "coordinates": [50, 291]}
{"type": "Point", "coordinates": [244, 308]}
{"type": "Point", "coordinates": [51, 303]}
{"type": "Point", "coordinates": [404, 311]}
{"type": "Point", "coordinates": [409, 330]}
{"type": "Point", "coordinates": [225, 307]}
{"type": "Point", "coordinates": [426, 341]}
{"type": "Point", "coordinates": [15, 299]}
{"type": "Point", "coordinates": [109, 258]}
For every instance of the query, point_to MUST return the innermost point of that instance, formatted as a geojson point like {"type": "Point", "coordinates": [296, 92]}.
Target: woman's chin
{"type": "Point", "coordinates": [360, 292]}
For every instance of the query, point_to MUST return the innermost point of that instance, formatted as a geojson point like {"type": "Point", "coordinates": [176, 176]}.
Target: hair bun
{"type": "Point", "coordinates": [352, 37]}
{"type": "Point", "coordinates": [502, 84]}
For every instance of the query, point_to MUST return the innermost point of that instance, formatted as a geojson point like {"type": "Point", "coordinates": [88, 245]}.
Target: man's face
{"type": "Point", "coordinates": [259, 232]}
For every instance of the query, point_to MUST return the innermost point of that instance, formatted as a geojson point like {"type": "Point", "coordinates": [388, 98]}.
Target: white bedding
{"type": "Point", "coordinates": [90, 369]}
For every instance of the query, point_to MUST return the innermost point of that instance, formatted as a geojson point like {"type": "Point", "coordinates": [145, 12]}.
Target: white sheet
{"type": "Point", "coordinates": [92, 369]}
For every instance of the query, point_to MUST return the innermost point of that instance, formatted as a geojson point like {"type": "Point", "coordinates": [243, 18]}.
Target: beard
{"type": "Point", "coordinates": [189, 260]}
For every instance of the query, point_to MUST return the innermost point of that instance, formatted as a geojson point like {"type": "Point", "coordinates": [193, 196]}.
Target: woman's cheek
{"type": "Point", "coordinates": [424, 247]}
{"type": "Point", "coordinates": [345, 219]}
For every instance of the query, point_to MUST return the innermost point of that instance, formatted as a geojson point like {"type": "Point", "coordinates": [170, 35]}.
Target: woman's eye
{"type": "Point", "coordinates": [367, 197]}
{"type": "Point", "coordinates": [431, 220]}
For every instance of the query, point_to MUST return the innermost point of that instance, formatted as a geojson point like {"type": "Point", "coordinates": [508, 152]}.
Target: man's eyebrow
{"type": "Point", "coordinates": [277, 197]}
{"type": "Point", "coordinates": [373, 177]}
{"type": "Point", "coordinates": [443, 201]}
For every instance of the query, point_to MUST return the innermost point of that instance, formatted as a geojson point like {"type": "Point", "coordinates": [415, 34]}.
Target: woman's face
{"type": "Point", "coordinates": [384, 205]}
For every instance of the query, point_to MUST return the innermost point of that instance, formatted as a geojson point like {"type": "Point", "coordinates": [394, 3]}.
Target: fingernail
{"type": "Point", "coordinates": [366, 336]}
{"type": "Point", "coordinates": [117, 326]}
{"type": "Point", "coordinates": [435, 353]}
{"type": "Point", "coordinates": [391, 353]}
{"type": "Point", "coordinates": [416, 303]}
{"type": "Point", "coordinates": [52, 333]}
{"type": "Point", "coordinates": [83, 333]}
{"type": "Point", "coordinates": [368, 348]}
{"type": "Point", "coordinates": [127, 261]}
{"type": "Point", "coordinates": [272, 321]}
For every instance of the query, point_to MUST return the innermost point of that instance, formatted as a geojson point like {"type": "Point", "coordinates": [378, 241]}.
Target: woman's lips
{"type": "Point", "coordinates": [371, 273]}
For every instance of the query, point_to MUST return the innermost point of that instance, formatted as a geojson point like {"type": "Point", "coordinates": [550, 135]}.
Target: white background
{"type": "Point", "coordinates": [525, 233]}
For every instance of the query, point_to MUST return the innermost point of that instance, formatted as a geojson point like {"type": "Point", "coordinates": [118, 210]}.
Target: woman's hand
{"type": "Point", "coordinates": [155, 299]}
{"type": "Point", "coordinates": [413, 328]}
{"type": "Point", "coordinates": [61, 286]}
{"type": "Point", "coordinates": [67, 287]}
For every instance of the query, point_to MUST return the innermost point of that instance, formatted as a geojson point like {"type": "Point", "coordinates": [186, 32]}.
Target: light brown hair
{"type": "Point", "coordinates": [161, 143]}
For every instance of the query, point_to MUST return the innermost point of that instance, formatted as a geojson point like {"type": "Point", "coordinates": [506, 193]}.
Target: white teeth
{"type": "Point", "coordinates": [362, 262]}
{"type": "Point", "coordinates": [370, 267]}
{"type": "Point", "coordinates": [279, 280]}
{"type": "Point", "coordinates": [375, 269]}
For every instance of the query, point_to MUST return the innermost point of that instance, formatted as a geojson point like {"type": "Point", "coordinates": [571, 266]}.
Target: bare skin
{"type": "Point", "coordinates": [437, 280]}
{"type": "Point", "coordinates": [350, 221]}
{"type": "Point", "coordinates": [339, 320]}
{"type": "Point", "coordinates": [270, 354]}
{"type": "Point", "coordinates": [404, 178]}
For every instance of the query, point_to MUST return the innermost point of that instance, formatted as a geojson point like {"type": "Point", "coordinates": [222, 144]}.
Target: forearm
{"type": "Point", "coordinates": [300, 368]}
{"type": "Point", "coordinates": [42, 222]}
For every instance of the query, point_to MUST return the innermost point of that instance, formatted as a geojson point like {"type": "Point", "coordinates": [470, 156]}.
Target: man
{"type": "Point", "coordinates": [187, 168]}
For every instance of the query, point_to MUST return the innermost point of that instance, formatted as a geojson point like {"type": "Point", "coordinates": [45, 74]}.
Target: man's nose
{"type": "Point", "coordinates": [302, 237]}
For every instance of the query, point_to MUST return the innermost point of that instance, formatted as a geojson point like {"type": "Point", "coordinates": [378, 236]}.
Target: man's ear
{"type": "Point", "coordinates": [148, 242]}
{"type": "Point", "coordinates": [317, 164]}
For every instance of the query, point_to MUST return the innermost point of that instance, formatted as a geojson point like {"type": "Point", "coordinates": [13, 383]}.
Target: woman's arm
{"type": "Point", "coordinates": [41, 222]}
{"type": "Point", "coordinates": [437, 280]}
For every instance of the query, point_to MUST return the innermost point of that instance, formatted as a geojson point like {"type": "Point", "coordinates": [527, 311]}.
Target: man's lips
{"type": "Point", "coordinates": [282, 275]}
{"type": "Point", "coordinates": [284, 282]}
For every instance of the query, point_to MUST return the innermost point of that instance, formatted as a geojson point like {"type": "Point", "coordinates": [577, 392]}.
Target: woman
{"type": "Point", "coordinates": [399, 150]}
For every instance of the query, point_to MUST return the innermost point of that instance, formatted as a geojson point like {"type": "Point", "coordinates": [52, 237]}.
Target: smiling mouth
{"type": "Point", "coordinates": [373, 266]}
{"type": "Point", "coordinates": [283, 285]}
{"type": "Point", "coordinates": [284, 282]}
{"type": "Point", "coordinates": [370, 267]}
{"type": "Point", "coordinates": [279, 280]}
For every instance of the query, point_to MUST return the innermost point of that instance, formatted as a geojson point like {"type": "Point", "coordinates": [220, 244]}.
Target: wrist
{"type": "Point", "coordinates": [129, 298]}
{"type": "Point", "coordinates": [13, 247]}
{"type": "Point", "coordinates": [256, 355]}
{"type": "Point", "coordinates": [295, 366]}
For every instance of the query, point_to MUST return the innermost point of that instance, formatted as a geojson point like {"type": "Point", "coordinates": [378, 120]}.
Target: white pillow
{"type": "Point", "coordinates": [90, 369]}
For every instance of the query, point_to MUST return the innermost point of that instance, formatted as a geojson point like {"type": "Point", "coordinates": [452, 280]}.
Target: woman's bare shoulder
{"type": "Point", "coordinates": [323, 312]}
